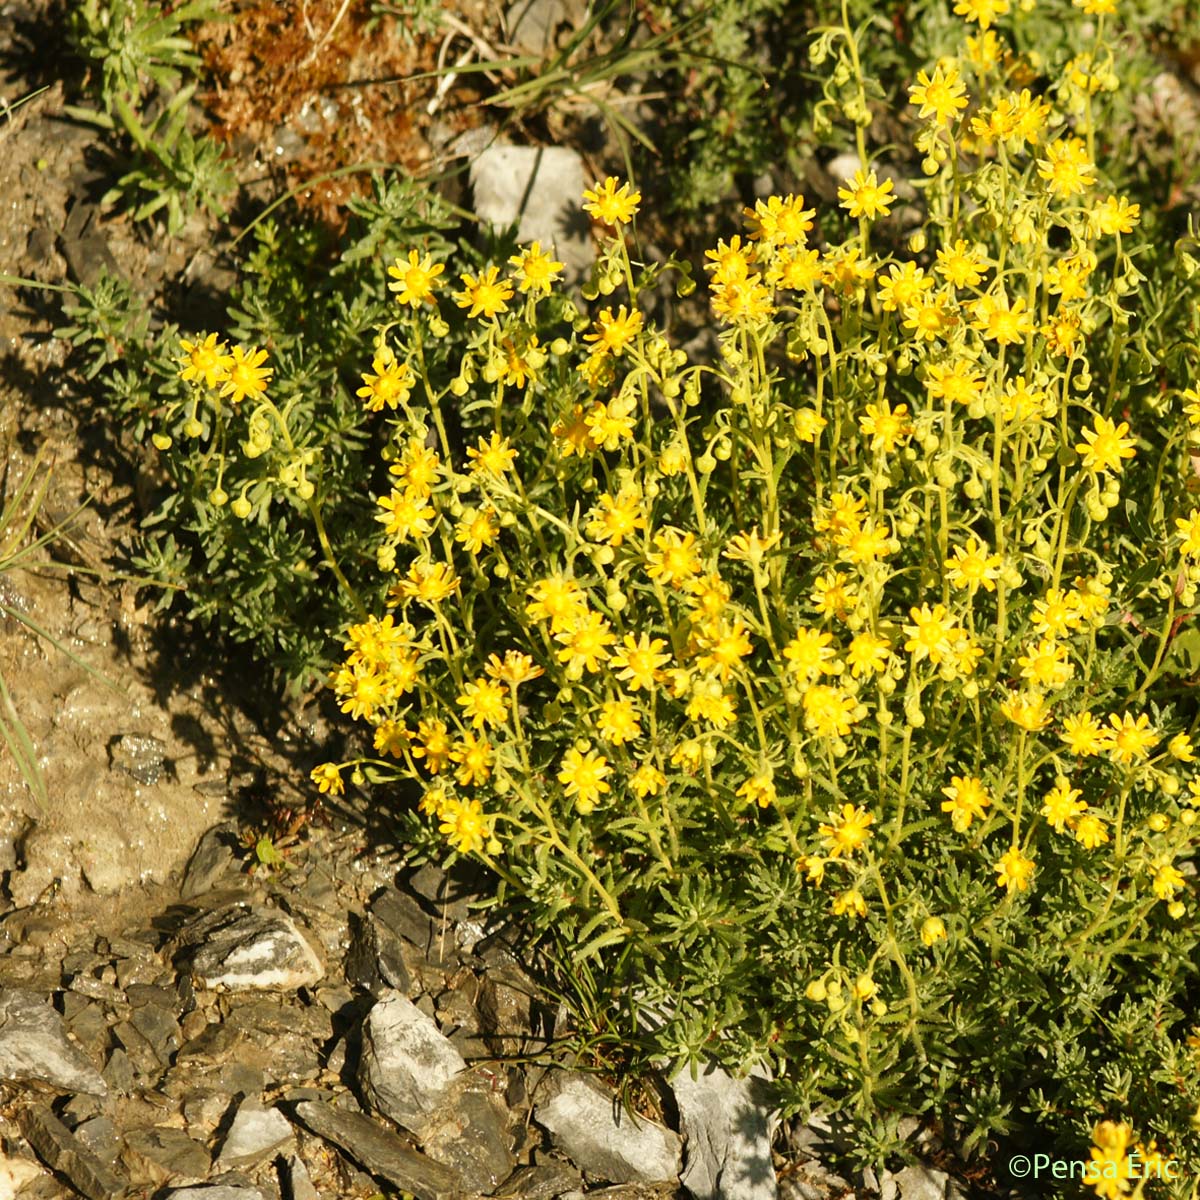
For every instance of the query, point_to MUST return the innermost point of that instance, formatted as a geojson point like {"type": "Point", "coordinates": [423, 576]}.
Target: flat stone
{"type": "Point", "coordinates": [250, 946]}
{"type": "Point", "coordinates": [537, 189]}
{"type": "Point", "coordinates": [544, 1181]}
{"type": "Point", "coordinates": [469, 1134]}
{"type": "Point", "coordinates": [218, 1192]}
{"type": "Point", "coordinates": [401, 913]}
{"type": "Point", "coordinates": [607, 1143]}
{"type": "Point", "coordinates": [729, 1127]}
{"type": "Point", "coordinates": [67, 1154]}
{"type": "Point", "coordinates": [99, 1135]}
{"type": "Point", "coordinates": [145, 1061]}
{"type": "Point", "coordinates": [118, 1072]}
{"type": "Point", "coordinates": [15, 1173]}
{"type": "Point", "coordinates": [255, 1135]}
{"type": "Point", "coordinates": [273, 1017]}
{"type": "Point", "coordinates": [381, 1152]}
{"type": "Point", "coordinates": [915, 1182]}
{"type": "Point", "coordinates": [532, 24]}
{"type": "Point", "coordinates": [34, 1047]}
{"type": "Point", "coordinates": [216, 856]}
{"type": "Point", "coordinates": [375, 960]}
{"type": "Point", "coordinates": [407, 1063]}
{"type": "Point", "coordinates": [171, 1150]}
{"type": "Point", "coordinates": [159, 1028]}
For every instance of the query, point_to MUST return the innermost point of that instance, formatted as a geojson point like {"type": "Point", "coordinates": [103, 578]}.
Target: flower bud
{"type": "Point", "coordinates": [816, 991]}
{"type": "Point", "coordinates": [240, 508]}
{"type": "Point", "coordinates": [161, 441]}
{"type": "Point", "coordinates": [933, 930]}
{"type": "Point", "coordinates": [218, 497]}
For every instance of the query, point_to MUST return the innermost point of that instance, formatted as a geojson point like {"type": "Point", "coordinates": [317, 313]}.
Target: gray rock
{"type": "Point", "coordinates": [141, 757]}
{"type": "Point", "coordinates": [215, 856]}
{"type": "Point", "coordinates": [915, 1182]}
{"type": "Point", "coordinates": [532, 24]}
{"type": "Point", "coordinates": [381, 1152]}
{"type": "Point", "coordinates": [594, 1132]}
{"type": "Point", "coordinates": [250, 946]}
{"type": "Point", "coordinates": [728, 1126]}
{"type": "Point", "coordinates": [407, 1064]}
{"type": "Point", "coordinates": [145, 1061]}
{"type": "Point", "coordinates": [34, 1047]}
{"type": "Point", "coordinates": [171, 1151]}
{"type": "Point", "coordinates": [544, 1181]}
{"type": "Point", "coordinates": [99, 1135]}
{"type": "Point", "coordinates": [15, 1173]}
{"type": "Point", "coordinates": [295, 1180]}
{"type": "Point", "coordinates": [255, 1135]}
{"type": "Point", "coordinates": [469, 1134]}
{"type": "Point", "coordinates": [540, 190]}
{"type": "Point", "coordinates": [375, 961]}
{"type": "Point", "coordinates": [215, 1193]}
{"type": "Point", "coordinates": [159, 1028]}
{"type": "Point", "coordinates": [63, 1152]}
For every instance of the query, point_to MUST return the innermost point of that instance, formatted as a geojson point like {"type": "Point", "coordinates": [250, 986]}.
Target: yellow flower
{"type": "Point", "coordinates": [885, 426]}
{"type": "Point", "coordinates": [582, 777]}
{"type": "Point", "coordinates": [514, 668]}
{"type": "Point", "coordinates": [780, 221]}
{"type": "Point", "coordinates": [810, 653]}
{"type": "Point", "coordinates": [429, 582]}
{"type": "Point", "coordinates": [847, 830]}
{"type": "Point", "coordinates": [850, 901]}
{"type": "Point", "coordinates": [674, 560]}
{"type": "Point", "coordinates": [1062, 806]}
{"type": "Point", "coordinates": [484, 702]}
{"type": "Point", "coordinates": [722, 647]}
{"type": "Point", "coordinates": [614, 519]}
{"type": "Point", "coordinates": [865, 196]}
{"type": "Point", "coordinates": [391, 737]}
{"type": "Point", "coordinates": [1109, 1167]}
{"type": "Point", "coordinates": [1085, 735]}
{"type": "Point", "coordinates": [742, 300]}
{"type": "Point", "coordinates": [478, 531]}
{"type": "Point", "coordinates": [433, 744]}
{"type": "Point", "coordinates": [484, 294]}
{"type": "Point", "coordinates": [404, 516]}
{"type": "Point", "coordinates": [832, 596]}
{"type": "Point", "coordinates": [941, 97]}
{"type": "Point", "coordinates": [932, 633]}
{"type": "Point", "coordinates": [930, 317]}
{"type": "Point", "coordinates": [1105, 445]}
{"type": "Point", "coordinates": [966, 798]}
{"type": "Point", "coordinates": [558, 600]}
{"type": "Point", "coordinates": [1130, 738]}
{"type": "Point", "coordinates": [614, 333]}
{"type": "Point", "coordinates": [247, 376]}
{"type": "Point", "coordinates": [933, 930]}
{"type": "Point", "coordinates": [585, 644]}
{"type": "Point", "coordinates": [982, 12]}
{"type": "Point", "coordinates": [1014, 871]}
{"type": "Point", "coordinates": [1027, 710]}
{"type": "Point", "coordinates": [1090, 831]}
{"type": "Point", "coordinates": [960, 265]}
{"type": "Point", "coordinates": [1112, 216]}
{"type": "Point", "coordinates": [1180, 748]}
{"type": "Point", "coordinates": [1189, 529]}
{"type": "Point", "coordinates": [611, 204]}
{"type": "Point", "coordinates": [1167, 881]}
{"type": "Point", "coordinates": [829, 711]}
{"type": "Point", "coordinates": [971, 566]}
{"type": "Point", "coordinates": [647, 780]}
{"type": "Point", "coordinates": [491, 456]}
{"type": "Point", "coordinates": [903, 286]}
{"type": "Point", "coordinates": [536, 269]}
{"type": "Point", "coordinates": [1046, 664]}
{"type": "Point", "coordinates": [418, 469]}
{"type": "Point", "coordinates": [464, 824]}
{"type": "Point", "coordinates": [1001, 322]}
{"type": "Point", "coordinates": [758, 789]}
{"type": "Point", "coordinates": [1056, 613]}
{"type": "Point", "coordinates": [868, 655]}
{"type": "Point", "coordinates": [638, 662]}
{"type": "Point", "coordinates": [328, 778]}
{"type": "Point", "coordinates": [730, 261]}
{"type": "Point", "coordinates": [618, 721]}
{"type": "Point", "coordinates": [205, 361]}
{"type": "Point", "coordinates": [1066, 168]}
{"type": "Point", "coordinates": [474, 758]}
{"type": "Point", "coordinates": [414, 280]}
{"type": "Point", "coordinates": [389, 386]}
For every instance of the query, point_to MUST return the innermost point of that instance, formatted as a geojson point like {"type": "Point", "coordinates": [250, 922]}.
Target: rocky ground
{"type": "Point", "coordinates": [342, 1026]}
